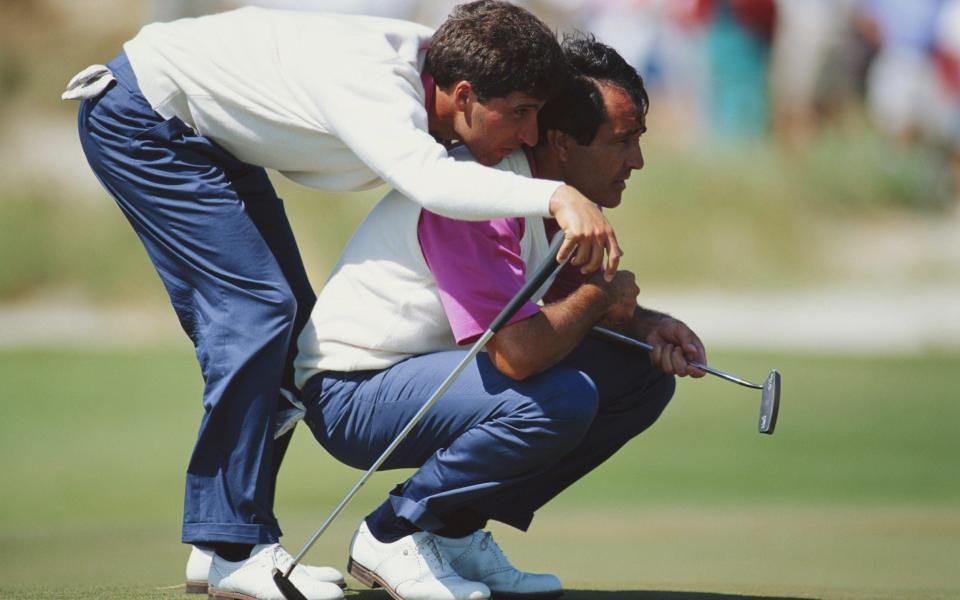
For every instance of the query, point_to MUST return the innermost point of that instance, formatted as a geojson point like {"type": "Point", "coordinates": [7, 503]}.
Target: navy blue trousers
{"type": "Point", "coordinates": [491, 447]}
{"type": "Point", "coordinates": [220, 241]}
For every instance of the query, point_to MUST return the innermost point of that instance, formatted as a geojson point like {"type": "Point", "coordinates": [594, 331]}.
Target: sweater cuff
{"type": "Point", "coordinates": [546, 189]}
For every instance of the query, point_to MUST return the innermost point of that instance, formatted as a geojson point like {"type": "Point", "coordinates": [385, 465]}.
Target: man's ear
{"type": "Point", "coordinates": [559, 144]}
{"type": "Point", "coordinates": [462, 93]}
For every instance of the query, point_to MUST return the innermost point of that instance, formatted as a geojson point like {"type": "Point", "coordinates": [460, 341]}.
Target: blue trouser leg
{"type": "Point", "coordinates": [632, 395]}
{"type": "Point", "coordinates": [220, 241]}
{"type": "Point", "coordinates": [488, 432]}
{"type": "Point", "coordinates": [490, 440]}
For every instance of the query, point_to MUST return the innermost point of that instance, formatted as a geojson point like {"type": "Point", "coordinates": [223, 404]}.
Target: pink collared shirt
{"type": "Point", "coordinates": [478, 268]}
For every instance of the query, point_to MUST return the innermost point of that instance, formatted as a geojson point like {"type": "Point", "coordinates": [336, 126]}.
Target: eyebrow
{"type": "Point", "coordinates": [528, 104]}
{"type": "Point", "coordinates": [632, 132]}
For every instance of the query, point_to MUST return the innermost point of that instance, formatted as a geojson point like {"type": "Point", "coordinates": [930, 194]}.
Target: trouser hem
{"type": "Point", "coordinates": [232, 533]}
{"type": "Point", "coordinates": [416, 513]}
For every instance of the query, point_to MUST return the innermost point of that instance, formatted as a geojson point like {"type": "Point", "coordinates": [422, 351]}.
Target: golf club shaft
{"type": "Point", "coordinates": [624, 339]}
{"type": "Point", "coordinates": [548, 268]}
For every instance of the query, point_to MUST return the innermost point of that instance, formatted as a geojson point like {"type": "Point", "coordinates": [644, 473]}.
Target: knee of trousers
{"type": "Point", "coordinates": [652, 402]}
{"type": "Point", "coordinates": [662, 391]}
{"type": "Point", "coordinates": [273, 312]}
{"type": "Point", "coordinates": [566, 404]}
{"type": "Point", "coordinates": [260, 324]}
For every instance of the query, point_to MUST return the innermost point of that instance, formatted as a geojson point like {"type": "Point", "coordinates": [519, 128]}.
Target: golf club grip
{"type": "Point", "coordinates": [544, 270]}
{"type": "Point", "coordinates": [619, 337]}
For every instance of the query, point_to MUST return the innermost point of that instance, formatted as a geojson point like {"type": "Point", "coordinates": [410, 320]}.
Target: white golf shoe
{"type": "Point", "coordinates": [412, 568]}
{"type": "Point", "coordinates": [252, 578]}
{"type": "Point", "coordinates": [479, 558]}
{"type": "Point", "coordinates": [198, 568]}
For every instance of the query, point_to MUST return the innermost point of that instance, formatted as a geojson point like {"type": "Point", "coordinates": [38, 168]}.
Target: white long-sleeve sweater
{"type": "Point", "coordinates": [334, 102]}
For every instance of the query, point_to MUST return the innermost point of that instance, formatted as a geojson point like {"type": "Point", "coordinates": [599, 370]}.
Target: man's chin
{"type": "Point", "coordinates": [610, 201]}
{"type": "Point", "coordinates": [493, 157]}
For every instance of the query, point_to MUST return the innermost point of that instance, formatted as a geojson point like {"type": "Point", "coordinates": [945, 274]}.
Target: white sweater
{"type": "Point", "coordinates": [381, 303]}
{"type": "Point", "coordinates": [334, 102]}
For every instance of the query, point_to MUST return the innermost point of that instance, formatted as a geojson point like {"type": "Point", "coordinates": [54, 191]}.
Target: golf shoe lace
{"type": "Point", "coordinates": [486, 541]}
{"type": "Point", "coordinates": [281, 558]}
{"type": "Point", "coordinates": [427, 547]}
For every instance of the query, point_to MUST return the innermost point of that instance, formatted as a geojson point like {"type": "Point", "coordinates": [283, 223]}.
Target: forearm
{"type": "Point", "coordinates": [392, 139]}
{"type": "Point", "coordinates": [533, 345]}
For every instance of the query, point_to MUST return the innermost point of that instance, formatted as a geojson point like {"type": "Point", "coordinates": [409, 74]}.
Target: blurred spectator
{"type": "Point", "coordinates": [665, 41]}
{"type": "Point", "coordinates": [948, 63]}
{"type": "Point", "coordinates": [901, 89]}
{"type": "Point", "coordinates": [739, 38]}
{"type": "Point", "coordinates": [912, 83]}
{"type": "Point", "coordinates": [813, 54]}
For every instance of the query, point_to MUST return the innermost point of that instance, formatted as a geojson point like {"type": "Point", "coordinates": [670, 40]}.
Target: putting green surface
{"type": "Point", "coordinates": [856, 496]}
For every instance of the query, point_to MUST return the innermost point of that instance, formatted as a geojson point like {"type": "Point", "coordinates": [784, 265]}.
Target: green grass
{"type": "Point", "coordinates": [855, 497]}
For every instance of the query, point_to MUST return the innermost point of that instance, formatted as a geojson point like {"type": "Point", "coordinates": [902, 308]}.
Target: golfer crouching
{"type": "Point", "coordinates": [542, 408]}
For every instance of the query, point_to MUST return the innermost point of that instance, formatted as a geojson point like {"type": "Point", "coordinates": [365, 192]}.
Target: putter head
{"type": "Point", "coordinates": [286, 587]}
{"type": "Point", "coordinates": [770, 403]}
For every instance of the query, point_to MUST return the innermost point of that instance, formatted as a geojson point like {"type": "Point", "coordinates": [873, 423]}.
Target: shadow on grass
{"type": "Point", "coordinates": [665, 595]}
{"type": "Point", "coordinates": [611, 595]}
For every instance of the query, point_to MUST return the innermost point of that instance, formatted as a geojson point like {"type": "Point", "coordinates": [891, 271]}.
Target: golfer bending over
{"type": "Point", "coordinates": [542, 408]}
{"type": "Point", "coordinates": [179, 128]}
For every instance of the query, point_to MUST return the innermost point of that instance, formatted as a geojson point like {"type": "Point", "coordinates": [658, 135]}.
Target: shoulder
{"type": "Point", "coordinates": [515, 162]}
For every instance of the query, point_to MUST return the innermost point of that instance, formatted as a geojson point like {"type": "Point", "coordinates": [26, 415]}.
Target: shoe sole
{"type": "Point", "coordinates": [369, 578]}
{"type": "Point", "coordinates": [201, 587]}
{"type": "Point", "coordinates": [213, 594]}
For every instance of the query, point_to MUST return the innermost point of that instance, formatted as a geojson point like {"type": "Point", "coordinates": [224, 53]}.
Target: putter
{"type": "Point", "coordinates": [769, 401]}
{"type": "Point", "coordinates": [540, 276]}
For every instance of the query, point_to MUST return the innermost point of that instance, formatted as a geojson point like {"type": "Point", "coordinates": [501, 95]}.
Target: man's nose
{"type": "Point", "coordinates": [528, 131]}
{"type": "Point", "coordinates": [635, 158]}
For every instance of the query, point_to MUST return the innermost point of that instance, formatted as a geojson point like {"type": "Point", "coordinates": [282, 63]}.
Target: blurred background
{"type": "Point", "coordinates": [803, 157]}
{"type": "Point", "coordinates": [799, 208]}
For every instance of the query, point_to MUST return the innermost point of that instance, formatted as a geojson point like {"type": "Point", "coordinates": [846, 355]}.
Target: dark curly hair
{"type": "Point", "coordinates": [499, 48]}
{"type": "Point", "coordinates": [579, 109]}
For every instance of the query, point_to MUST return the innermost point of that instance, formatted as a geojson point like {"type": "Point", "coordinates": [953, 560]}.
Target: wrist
{"type": "Point", "coordinates": [593, 301]}
{"type": "Point", "coordinates": [559, 200]}
{"type": "Point", "coordinates": [612, 309]}
{"type": "Point", "coordinates": [646, 324]}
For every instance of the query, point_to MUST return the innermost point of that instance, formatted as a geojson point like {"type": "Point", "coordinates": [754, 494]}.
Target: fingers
{"type": "Point", "coordinates": [585, 226]}
{"type": "Point", "coordinates": [673, 360]}
{"type": "Point", "coordinates": [614, 253]}
{"type": "Point", "coordinates": [697, 355]}
{"type": "Point", "coordinates": [663, 358]}
{"type": "Point", "coordinates": [682, 347]}
{"type": "Point", "coordinates": [590, 256]}
{"type": "Point", "coordinates": [656, 356]}
{"type": "Point", "coordinates": [693, 351]}
{"type": "Point", "coordinates": [565, 249]}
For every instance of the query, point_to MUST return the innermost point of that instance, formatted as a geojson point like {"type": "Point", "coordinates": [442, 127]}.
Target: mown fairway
{"type": "Point", "coordinates": [856, 496]}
